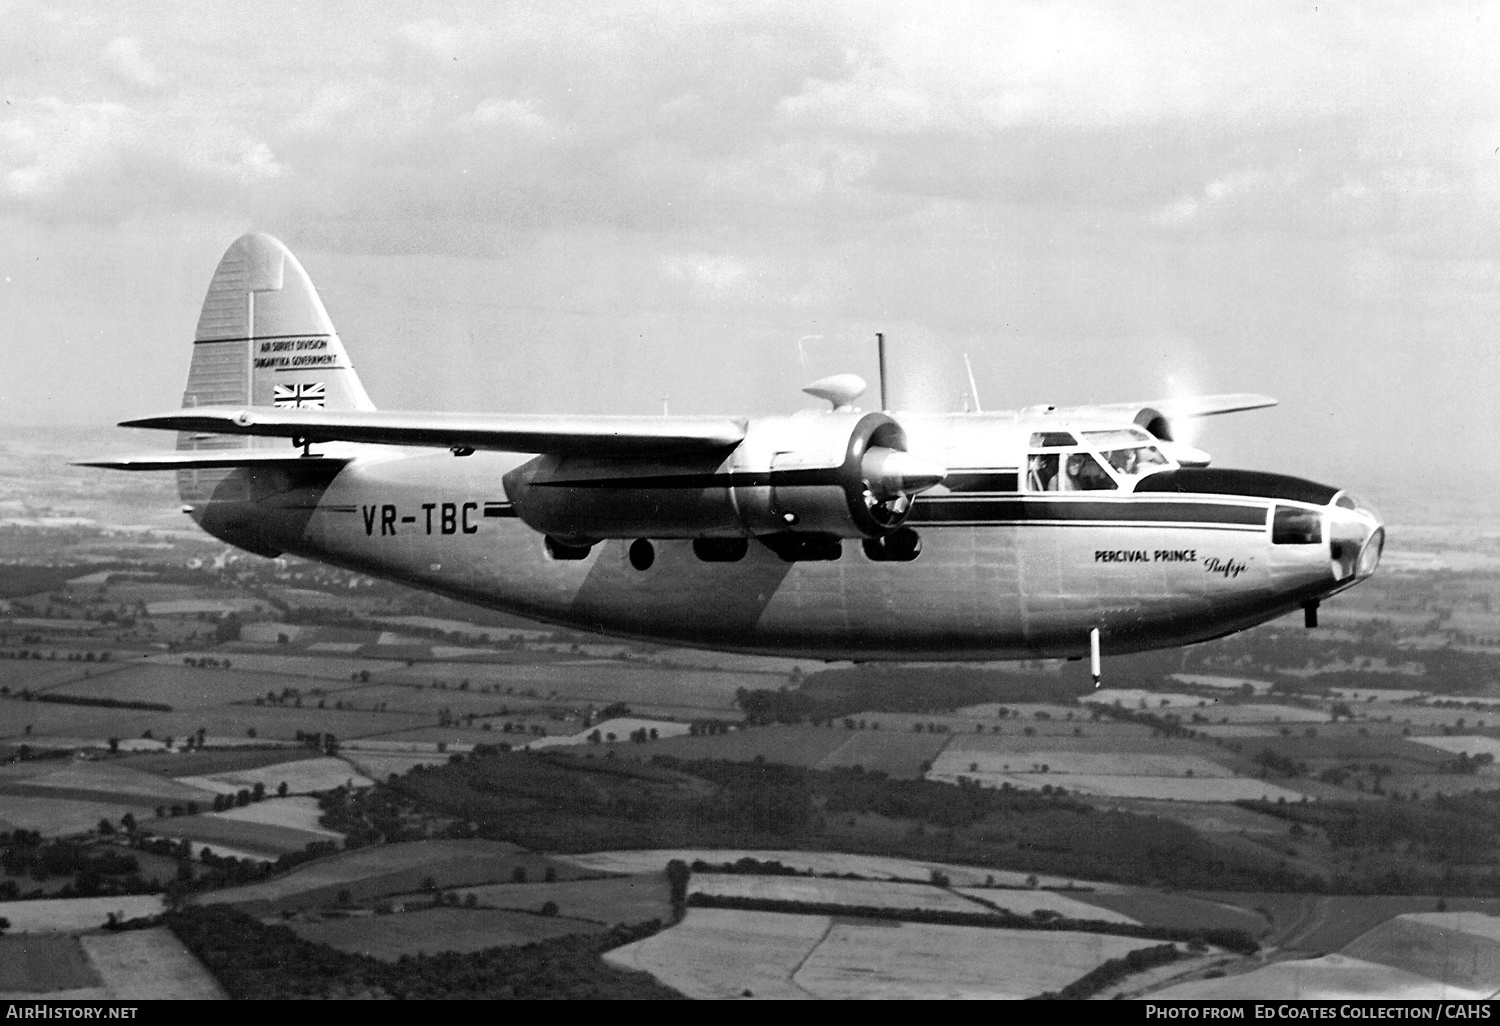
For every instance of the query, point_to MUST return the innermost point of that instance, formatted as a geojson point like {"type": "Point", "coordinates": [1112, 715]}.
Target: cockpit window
{"type": "Point", "coordinates": [1293, 526]}
{"type": "Point", "coordinates": [1114, 438]}
{"type": "Point", "coordinates": [1082, 473]}
{"type": "Point", "coordinates": [1051, 439]}
{"type": "Point", "coordinates": [1041, 472]}
{"type": "Point", "coordinates": [1145, 459]}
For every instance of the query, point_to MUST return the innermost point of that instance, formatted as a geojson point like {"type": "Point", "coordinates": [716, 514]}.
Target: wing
{"type": "Point", "coordinates": [1188, 406]}
{"type": "Point", "coordinates": [539, 433]}
{"type": "Point", "coordinates": [213, 459]}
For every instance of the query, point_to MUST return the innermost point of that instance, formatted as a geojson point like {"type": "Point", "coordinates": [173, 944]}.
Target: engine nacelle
{"type": "Point", "coordinates": [839, 473]}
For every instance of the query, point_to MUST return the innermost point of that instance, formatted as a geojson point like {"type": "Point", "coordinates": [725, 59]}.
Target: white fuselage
{"type": "Point", "coordinates": [1004, 571]}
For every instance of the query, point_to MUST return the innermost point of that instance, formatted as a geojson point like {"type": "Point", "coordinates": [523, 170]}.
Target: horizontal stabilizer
{"type": "Point", "coordinates": [212, 459]}
{"type": "Point", "coordinates": [523, 433]}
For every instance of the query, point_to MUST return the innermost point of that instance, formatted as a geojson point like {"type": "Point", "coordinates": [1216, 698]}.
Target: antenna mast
{"type": "Point", "coordinates": [880, 346]}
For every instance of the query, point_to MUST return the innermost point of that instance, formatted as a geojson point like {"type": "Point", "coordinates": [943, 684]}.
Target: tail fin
{"type": "Point", "coordinates": [263, 339]}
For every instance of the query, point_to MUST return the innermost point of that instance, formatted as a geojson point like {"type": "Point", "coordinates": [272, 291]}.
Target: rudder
{"type": "Point", "coordinates": [263, 339]}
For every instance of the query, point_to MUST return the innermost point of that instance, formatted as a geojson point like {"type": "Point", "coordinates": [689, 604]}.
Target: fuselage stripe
{"type": "Point", "coordinates": [948, 510]}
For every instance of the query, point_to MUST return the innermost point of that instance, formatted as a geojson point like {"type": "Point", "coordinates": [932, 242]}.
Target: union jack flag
{"type": "Point", "coordinates": [300, 397]}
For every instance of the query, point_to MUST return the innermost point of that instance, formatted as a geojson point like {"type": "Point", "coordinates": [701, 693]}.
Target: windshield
{"type": "Point", "coordinates": [1137, 461]}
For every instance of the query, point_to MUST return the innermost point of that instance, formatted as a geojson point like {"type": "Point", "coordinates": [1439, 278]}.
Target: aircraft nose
{"type": "Point", "coordinates": [1356, 538]}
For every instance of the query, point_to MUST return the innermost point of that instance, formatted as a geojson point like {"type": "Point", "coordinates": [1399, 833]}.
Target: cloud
{"type": "Point", "coordinates": [124, 59]}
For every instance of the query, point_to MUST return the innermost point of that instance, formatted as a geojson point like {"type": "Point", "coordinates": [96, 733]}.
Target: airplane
{"type": "Point", "coordinates": [832, 534]}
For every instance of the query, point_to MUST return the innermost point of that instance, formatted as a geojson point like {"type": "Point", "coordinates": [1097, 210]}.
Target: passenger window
{"type": "Point", "coordinates": [1085, 475]}
{"type": "Point", "coordinates": [1041, 472]}
{"type": "Point", "coordinates": [1292, 526]}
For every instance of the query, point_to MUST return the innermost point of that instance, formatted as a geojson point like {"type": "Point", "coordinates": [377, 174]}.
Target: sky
{"type": "Point", "coordinates": [595, 207]}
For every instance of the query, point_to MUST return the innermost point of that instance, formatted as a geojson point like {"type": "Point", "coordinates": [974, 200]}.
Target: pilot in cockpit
{"type": "Point", "coordinates": [1041, 472]}
{"type": "Point", "coordinates": [1085, 474]}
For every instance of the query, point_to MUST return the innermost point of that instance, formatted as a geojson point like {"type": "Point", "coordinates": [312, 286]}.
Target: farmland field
{"type": "Point", "coordinates": [388, 869]}
{"type": "Point", "coordinates": [714, 953]}
{"type": "Point", "coordinates": [1026, 902]}
{"type": "Point", "coordinates": [297, 813]}
{"type": "Point", "coordinates": [317, 667]}
{"type": "Point", "coordinates": [1200, 789]}
{"type": "Point", "coordinates": [837, 863]}
{"type": "Point", "coordinates": [630, 899]}
{"type": "Point", "coordinates": [811, 889]}
{"type": "Point", "coordinates": [149, 965]}
{"type": "Point", "coordinates": [1151, 701]}
{"type": "Point", "coordinates": [380, 765]}
{"type": "Point", "coordinates": [34, 964]}
{"type": "Point", "coordinates": [796, 746]}
{"type": "Point", "coordinates": [432, 930]}
{"type": "Point", "coordinates": [925, 961]}
{"type": "Point", "coordinates": [890, 752]}
{"type": "Point", "coordinates": [1330, 978]}
{"type": "Point", "coordinates": [1469, 745]}
{"type": "Point", "coordinates": [1254, 712]}
{"type": "Point", "coordinates": [113, 782]}
{"type": "Point", "coordinates": [960, 759]}
{"type": "Point", "coordinates": [58, 817]}
{"type": "Point", "coordinates": [1231, 683]}
{"type": "Point", "coordinates": [181, 687]}
{"type": "Point", "coordinates": [204, 763]}
{"type": "Point", "coordinates": [642, 687]}
{"type": "Point", "coordinates": [301, 776]}
{"type": "Point", "coordinates": [69, 915]}
{"type": "Point", "coordinates": [252, 838]}
{"type": "Point", "coordinates": [1461, 949]}
{"type": "Point", "coordinates": [1155, 908]}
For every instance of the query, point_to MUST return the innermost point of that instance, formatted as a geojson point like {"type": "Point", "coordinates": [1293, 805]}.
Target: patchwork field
{"type": "Point", "coordinates": [961, 758]}
{"type": "Point", "coordinates": [324, 667]}
{"type": "Point", "coordinates": [1471, 745]}
{"type": "Point", "coordinates": [921, 961]}
{"type": "Point", "coordinates": [833, 863]}
{"type": "Point", "coordinates": [294, 813]}
{"type": "Point", "coordinates": [1201, 789]}
{"type": "Point", "coordinates": [797, 746]}
{"type": "Point", "coordinates": [149, 965]}
{"type": "Point", "coordinates": [432, 930]}
{"type": "Point", "coordinates": [388, 869]}
{"type": "Point", "coordinates": [809, 889]}
{"type": "Point", "coordinates": [642, 687]}
{"type": "Point", "coordinates": [72, 915]}
{"type": "Point", "coordinates": [262, 840]}
{"type": "Point", "coordinates": [111, 781]}
{"type": "Point", "coordinates": [1027, 902]}
{"type": "Point", "coordinates": [1329, 978]}
{"type": "Point", "coordinates": [181, 687]}
{"type": "Point", "coordinates": [629, 899]}
{"type": "Point", "coordinates": [204, 763]}
{"type": "Point", "coordinates": [716, 953]}
{"type": "Point", "coordinates": [897, 755]}
{"type": "Point", "coordinates": [301, 776]}
{"type": "Point", "coordinates": [58, 817]}
{"type": "Point", "coordinates": [1459, 949]}
{"type": "Point", "coordinates": [32, 964]}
